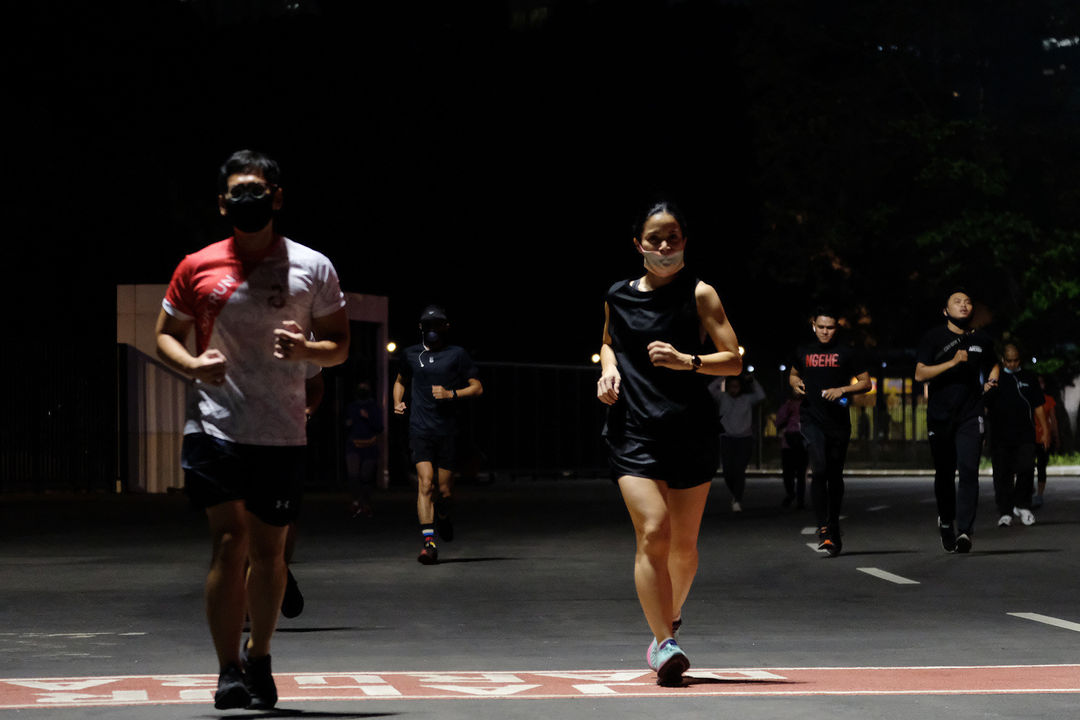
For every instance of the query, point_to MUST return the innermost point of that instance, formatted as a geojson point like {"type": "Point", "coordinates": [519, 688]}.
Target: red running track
{"type": "Point", "coordinates": [594, 684]}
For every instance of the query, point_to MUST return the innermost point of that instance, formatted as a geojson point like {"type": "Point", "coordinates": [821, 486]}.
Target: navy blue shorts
{"type": "Point", "coordinates": [439, 450]}
{"type": "Point", "coordinates": [269, 479]}
{"type": "Point", "coordinates": [682, 463]}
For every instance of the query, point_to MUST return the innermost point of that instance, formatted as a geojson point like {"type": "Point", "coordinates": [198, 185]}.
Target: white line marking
{"type": "Point", "coordinates": [877, 508]}
{"type": "Point", "coordinates": [878, 573]}
{"type": "Point", "coordinates": [809, 530]}
{"type": "Point", "coordinates": [814, 547]}
{"type": "Point", "coordinates": [1047, 620]}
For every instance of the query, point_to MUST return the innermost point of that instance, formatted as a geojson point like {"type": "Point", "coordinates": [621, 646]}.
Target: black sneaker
{"type": "Point", "coordinates": [948, 537]}
{"type": "Point", "coordinates": [231, 692]}
{"type": "Point", "coordinates": [822, 537]}
{"type": "Point", "coordinates": [260, 682]}
{"type": "Point", "coordinates": [963, 543]}
{"type": "Point", "coordinates": [292, 604]}
{"type": "Point", "coordinates": [443, 525]}
{"type": "Point", "coordinates": [429, 555]}
{"type": "Point", "coordinates": [835, 541]}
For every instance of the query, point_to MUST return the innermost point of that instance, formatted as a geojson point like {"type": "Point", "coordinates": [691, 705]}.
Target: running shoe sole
{"type": "Point", "coordinates": [670, 673]}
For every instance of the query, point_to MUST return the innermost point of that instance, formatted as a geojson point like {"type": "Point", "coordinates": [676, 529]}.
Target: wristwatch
{"type": "Point", "coordinates": [695, 363]}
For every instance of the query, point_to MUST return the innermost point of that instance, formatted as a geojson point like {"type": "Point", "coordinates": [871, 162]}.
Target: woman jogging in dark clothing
{"type": "Point", "coordinates": [661, 427]}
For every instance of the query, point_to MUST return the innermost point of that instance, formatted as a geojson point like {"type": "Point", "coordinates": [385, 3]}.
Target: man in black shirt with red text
{"type": "Point", "coordinates": [958, 363]}
{"type": "Point", "coordinates": [822, 373]}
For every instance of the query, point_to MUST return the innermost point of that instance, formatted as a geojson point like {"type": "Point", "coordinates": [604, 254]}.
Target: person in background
{"type": "Point", "coordinates": [1042, 450]}
{"type": "Point", "coordinates": [957, 361]}
{"type": "Point", "coordinates": [735, 399]}
{"type": "Point", "coordinates": [363, 424]}
{"type": "Point", "coordinates": [1014, 406]}
{"type": "Point", "coordinates": [793, 458]}
{"type": "Point", "coordinates": [440, 376]}
{"type": "Point", "coordinates": [826, 373]}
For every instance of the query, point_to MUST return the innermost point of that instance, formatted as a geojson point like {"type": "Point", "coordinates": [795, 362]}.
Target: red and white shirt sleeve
{"type": "Point", "coordinates": [235, 309]}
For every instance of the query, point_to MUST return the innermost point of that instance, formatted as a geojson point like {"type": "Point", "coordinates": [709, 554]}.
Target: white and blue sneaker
{"type": "Point", "coordinates": [676, 625]}
{"type": "Point", "coordinates": [669, 662]}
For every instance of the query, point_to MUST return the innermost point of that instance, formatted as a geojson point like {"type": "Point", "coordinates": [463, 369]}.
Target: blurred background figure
{"type": "Point", "coordinates": [735, 399]}
{"type": "Point", "coordinates": [1014, 407]}
{"type": "Point", "coordinates": [1042, 448]}
{"type": "Point", "coordinates": [363, 424]}
{"type": "Point", "coordinates": [793, 458]}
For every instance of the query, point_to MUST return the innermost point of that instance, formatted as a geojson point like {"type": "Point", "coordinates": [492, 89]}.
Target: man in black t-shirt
{"type": "Point", "coordinates": [822, 373]}
{"type": "Point", "coordinates": [958, 363]}
{"type": "Point", "coordinates": [1013, 407]}
{"type": "Point", "coordinates": [439, 375]}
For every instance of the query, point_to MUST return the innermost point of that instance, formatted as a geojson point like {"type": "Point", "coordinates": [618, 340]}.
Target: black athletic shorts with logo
{"type": "Point", "coordinates": [268, 478]}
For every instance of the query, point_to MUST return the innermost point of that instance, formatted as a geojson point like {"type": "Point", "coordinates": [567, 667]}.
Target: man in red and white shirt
{"type": "Point", "coordinates": [263, 309]}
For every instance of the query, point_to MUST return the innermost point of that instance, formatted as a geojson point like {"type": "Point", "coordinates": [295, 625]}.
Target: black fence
{"type": "Point", "coordinates": [69, 434]}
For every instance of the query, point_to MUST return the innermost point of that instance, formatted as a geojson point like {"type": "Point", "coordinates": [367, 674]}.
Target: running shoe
{"type": "Point", "coordinates": [444, 527]}
{"type": "Point", "coordinates": [736, 506]}
{"type": "Point", "coordinates": [650, 653]}
{"type": "Point", "coordinates": [429, 555]}
{"type": "Point", "coordinates": [834, 543]}
{"type": "Point", "coordinates": [232, 692]}
{"type": "Point", "coordinates": [822, 536]}
{"type": "Point", "coordinates": [948, 536]}
{"type": "Point", "coordinates": [1026, 516]}
{"type": "Point", "coordinates": [670, 663]}
{"type": "Point", "coordinates": [361, 510]}
{"type": "Point", "coordinates": [963, 543]}
{"type": "Point", "coordinates": [292, 604]}
{"type": "Point", "coordinates": [1005, 521]}
{"type": "Point", "coordinates": [260, 682]}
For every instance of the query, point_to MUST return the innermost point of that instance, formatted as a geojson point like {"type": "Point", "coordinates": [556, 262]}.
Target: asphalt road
{"type": "Point", "coordinates": [538, 582]}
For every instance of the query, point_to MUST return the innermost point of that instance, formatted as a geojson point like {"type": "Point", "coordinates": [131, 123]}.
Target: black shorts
{"type": "Point", "coordinates": [682, 463]}
{"type": "Point", "coordinates": [269, 479]}
{"type": "Point", "coordinates": [439, 450]}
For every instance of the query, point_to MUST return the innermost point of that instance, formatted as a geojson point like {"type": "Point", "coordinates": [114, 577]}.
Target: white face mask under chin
{"type": "Point", "coordinates": [660, 264]}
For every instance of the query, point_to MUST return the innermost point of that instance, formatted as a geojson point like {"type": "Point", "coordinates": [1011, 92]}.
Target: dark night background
{"type": "Point", "coordinates": [491, 156]}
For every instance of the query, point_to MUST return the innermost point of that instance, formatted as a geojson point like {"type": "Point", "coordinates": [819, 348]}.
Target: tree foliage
{"type": "Point", "coordinates": [903, 147]}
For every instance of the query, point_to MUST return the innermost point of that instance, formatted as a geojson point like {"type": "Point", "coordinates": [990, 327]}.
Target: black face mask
{"type": "Point", "coordinates": [434, 340]}
{"type": "Point", "coordinates": [248, 213]}
{"type": "Point", "coordinates": [961, 323]}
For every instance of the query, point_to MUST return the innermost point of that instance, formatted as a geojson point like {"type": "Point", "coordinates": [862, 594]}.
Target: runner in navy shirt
{"type": "Point", "coordinates": [439, 375]}
{"type": "Point", "coordinates": [823, 374]}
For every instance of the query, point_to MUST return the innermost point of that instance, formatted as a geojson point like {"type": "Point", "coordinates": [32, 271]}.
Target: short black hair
{"type": "Point", "coordinates": [827, 311]}
{"type": "Point", "coordinates": [660, 206]}
{"type": "Point", "coordinates": [249, 161]}
{"type": "Point", "coordinates": [952, 290]}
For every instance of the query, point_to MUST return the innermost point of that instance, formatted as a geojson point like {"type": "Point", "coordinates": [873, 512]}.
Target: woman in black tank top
{"type": "Point", "coordinates": [661, 428]}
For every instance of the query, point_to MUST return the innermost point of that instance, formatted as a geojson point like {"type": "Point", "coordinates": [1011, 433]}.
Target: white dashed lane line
{"type": "Point", "coordinates": [1047, 620]}
{"type": "Point", "coordinates": [890, 577]}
